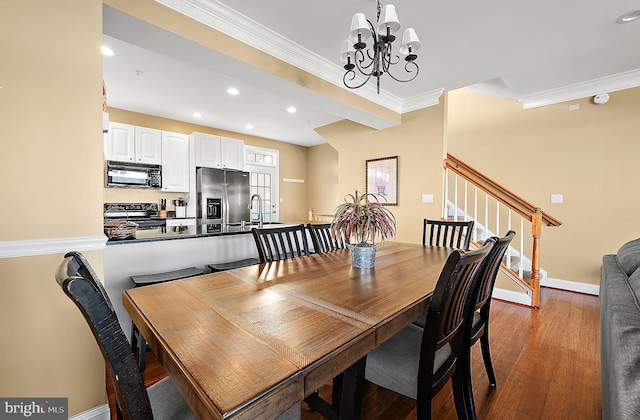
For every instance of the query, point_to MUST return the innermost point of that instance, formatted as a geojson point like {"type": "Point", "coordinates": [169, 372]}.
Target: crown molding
{"type": "Point", "coordinates": [228, 21]}
{"type": "Point", "coordinates": [621, 81]}
{"type": "Point", "coordinates": [422, 101]}
{"type": "Point", "coordinates": [33, 247]}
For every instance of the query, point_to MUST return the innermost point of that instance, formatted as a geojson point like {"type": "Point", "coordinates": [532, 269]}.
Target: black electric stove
{"type": "Point", "coordinates": [145, 215]}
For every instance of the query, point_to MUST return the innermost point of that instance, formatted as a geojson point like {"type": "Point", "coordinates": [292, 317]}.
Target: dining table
{"type": "Point", "coordinates": [252, 342]}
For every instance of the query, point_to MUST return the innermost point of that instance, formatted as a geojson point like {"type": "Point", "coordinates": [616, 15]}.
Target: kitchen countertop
{"type": "Point", "coordinates": [197, 231]}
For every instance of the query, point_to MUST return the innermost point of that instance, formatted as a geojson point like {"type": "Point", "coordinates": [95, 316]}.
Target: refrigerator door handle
{"type": "Point", "coordinates": [225, 204]}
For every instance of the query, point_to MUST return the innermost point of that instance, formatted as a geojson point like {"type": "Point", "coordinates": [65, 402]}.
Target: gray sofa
{"type": "Point", "coordinates": [620, 332]}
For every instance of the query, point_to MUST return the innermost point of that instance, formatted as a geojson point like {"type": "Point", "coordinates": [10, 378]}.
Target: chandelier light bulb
{"type": "Point", "coordinates": [388, 23]}
{"type": "Point", "coordinates": [347, 53]}
{"type": "Point", "coordinates": [410, 44]}
{"type": "Point", "coordinates": [360, 30]}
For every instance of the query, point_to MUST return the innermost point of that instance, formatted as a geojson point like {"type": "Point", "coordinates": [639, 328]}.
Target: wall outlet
{"type": "Point", "coordinates": [556, 198]}
{"type": "Point", "coordinates": [427, 198]}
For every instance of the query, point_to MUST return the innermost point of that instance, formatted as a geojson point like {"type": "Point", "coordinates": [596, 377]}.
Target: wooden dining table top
{"type": "Point", "coordinates": [252, 342]}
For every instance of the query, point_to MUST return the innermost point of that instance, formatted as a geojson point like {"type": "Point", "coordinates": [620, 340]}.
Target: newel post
{"type": "Point", "coordinates": [536, 227]}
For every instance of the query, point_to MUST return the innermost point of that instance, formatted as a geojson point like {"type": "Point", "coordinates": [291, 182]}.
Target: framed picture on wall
{"type": "Point", "coordinates": [382, 179]}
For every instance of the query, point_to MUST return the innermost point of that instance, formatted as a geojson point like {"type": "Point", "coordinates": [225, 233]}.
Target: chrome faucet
{"type": "Point", "coordinates": [260, 217]}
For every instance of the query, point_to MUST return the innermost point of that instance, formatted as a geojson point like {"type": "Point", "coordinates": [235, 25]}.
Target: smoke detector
{"type": "Point", "coordinates": [601, 98]}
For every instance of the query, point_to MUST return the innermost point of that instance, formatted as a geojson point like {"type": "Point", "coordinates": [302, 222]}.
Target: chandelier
{"type": "Point", "coordinates": [379, 57]}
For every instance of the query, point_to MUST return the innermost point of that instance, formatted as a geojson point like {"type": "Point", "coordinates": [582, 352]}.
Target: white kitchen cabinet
{"type": "Point", "coordinates": [232, 153]}
{"type": "Point", "coordinates": [175, 162]}
{"type": "Point", "coordinates": [208, 150]}
{"type": "Point", "coordinates": [119, 143]}
{"type": "Point", "coordinates": [148, 143]}
{"type": "Point", "coordinates": [218, 152]}
{"type": "Point", "coordinates": [128, 143]}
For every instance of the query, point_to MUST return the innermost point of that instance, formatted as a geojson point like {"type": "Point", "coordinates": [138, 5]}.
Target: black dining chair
{"type": "Point", "coordinates": [481, 309]}
{"type": "Point", "coordinates": [323, 239]}
{"type": "Point", "coordinates": [418, 362]}
{"type": "Point", "coordinates": [133, 401]}
{"type": "Point", "coordinates": [445, 233]}
{"type": "Point", "coordinates": [453, 234]}
{"type": "Point", "coordinates": [279, 243]}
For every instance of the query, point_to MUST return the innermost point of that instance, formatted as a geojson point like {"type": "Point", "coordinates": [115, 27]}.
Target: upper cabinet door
{"type": "Point", "coordinates": [148, 142]}
{"type": "Point", "coordinates": [207, 150]}
{"type": "Point", "coordinates": [232, 153]}
{"type": "Point", "coordinates": [119, 143]}
{"type": "Point", "coordinates": [175, 162]}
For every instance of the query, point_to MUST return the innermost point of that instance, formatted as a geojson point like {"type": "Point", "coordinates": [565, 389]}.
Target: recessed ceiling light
{"type": "Point", "coordinates": [248, 127]}
{"type": "Point", "coordinates": [291, 109]}
{"type": "Point", "coordinates": [197, 114]}
{"type": "Point", "coordinates": [629, 17]}
{"type": "Point", "coordinates": [233, 91]}
{"type": "Point", "coordinates": [107, 51]}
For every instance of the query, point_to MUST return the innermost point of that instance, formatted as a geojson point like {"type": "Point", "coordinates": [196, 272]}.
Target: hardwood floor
{"type": "Point", "coordinates": [547, 365]}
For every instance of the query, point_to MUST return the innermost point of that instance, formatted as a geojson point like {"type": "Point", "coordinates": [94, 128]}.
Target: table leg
{"type": "Point", "coordinates": [346, 398]}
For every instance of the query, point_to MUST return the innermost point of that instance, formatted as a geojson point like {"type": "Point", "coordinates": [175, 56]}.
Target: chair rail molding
{"type": "Point", "coordinates": [33, 247]}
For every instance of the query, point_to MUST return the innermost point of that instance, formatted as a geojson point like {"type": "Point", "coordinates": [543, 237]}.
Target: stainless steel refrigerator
{"type": "Point", "coordinates": [222, 196]}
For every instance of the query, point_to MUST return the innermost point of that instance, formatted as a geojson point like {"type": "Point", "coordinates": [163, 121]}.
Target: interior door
{"type": "Point", "coordinates": [264, 182]}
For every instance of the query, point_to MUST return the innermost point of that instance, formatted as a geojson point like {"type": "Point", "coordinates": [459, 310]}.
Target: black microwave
{"type": "Point", "coordinates": [123, 174]}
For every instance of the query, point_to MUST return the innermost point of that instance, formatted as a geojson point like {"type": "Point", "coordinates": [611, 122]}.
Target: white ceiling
{"type": "Point", "coordinates": [538, 53]}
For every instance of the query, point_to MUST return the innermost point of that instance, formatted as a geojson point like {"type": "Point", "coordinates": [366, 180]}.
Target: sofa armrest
{"type": "Point", "coordinates": [619, 343]}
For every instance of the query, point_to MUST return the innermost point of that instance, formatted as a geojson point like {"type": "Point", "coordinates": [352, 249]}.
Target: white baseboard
{"type": "Point", "coordinates": [100, 412]}
{"type": "Point", "coordinates": [511, 296]}
{"type": "Point", "coordinates": [571, 286]}
{"type": "Point", "coordinates": [524, 299]}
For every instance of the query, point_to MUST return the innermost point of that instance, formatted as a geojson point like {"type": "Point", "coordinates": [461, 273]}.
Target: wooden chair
{"type": "Point", "coordinates": [161, 400]}
{"type": "Point", "coordinates": [322, 238]}
{"type": "Point", "coordinates": [480, 314]}
{"type": "Point", "coordinates": [448, 233]}
{"type": "Point", "coordinates": [418, 362]}
{"type": "Point", "coordinates": [280, 243]}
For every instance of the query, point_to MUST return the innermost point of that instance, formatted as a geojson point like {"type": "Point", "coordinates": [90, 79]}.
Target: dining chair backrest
{"type": "Point", "coordinates": [279, 243]}
{"type": "Point", "coordinates": [323, 239]}
{"type": "Point", "coordinates": [80, 283]}
{"type": "Point", "coordinates": [453, 234]}
{"type": "Point", "coordinates": [490, 269]}
{"type": "Point", "coordinates": [446, 313]}
{"type": "Point", "coordinates": [478, 310]}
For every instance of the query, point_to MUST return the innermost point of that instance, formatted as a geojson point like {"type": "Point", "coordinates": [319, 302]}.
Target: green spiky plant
{"type": "Point", "coordinates": [363, 219]}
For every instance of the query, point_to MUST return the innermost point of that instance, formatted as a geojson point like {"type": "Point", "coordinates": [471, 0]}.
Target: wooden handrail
{"type": "Point", "coordinates": [525, 209]}
{"type": "Point", "coordinates": [517, 204]}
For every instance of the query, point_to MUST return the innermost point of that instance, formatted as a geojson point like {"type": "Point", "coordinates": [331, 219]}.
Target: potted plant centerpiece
{"type": "Point", "coordinates": [362, 220]}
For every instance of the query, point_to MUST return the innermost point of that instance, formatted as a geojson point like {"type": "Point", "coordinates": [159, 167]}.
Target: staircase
{"type": "Point", "coordinates": [495, 210]}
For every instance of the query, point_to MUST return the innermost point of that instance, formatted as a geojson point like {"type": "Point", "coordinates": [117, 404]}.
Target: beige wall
{"type": "Point", "coordinates": [589, 156]}
{"type": "Point", "coordinates": [419, 144]}
{"type": "Point", "coordinates": [51, 133]}
{"type": "Point", "coordinates": [322, 173]}
{"type": "Point", "coordinates": [293, 164]}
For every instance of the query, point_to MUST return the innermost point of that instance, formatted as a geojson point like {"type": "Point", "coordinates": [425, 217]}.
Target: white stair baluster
{"type": "Point", "coordinates": [446, 193]}
{"type": "Point", "coordinates": [475, 214]}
